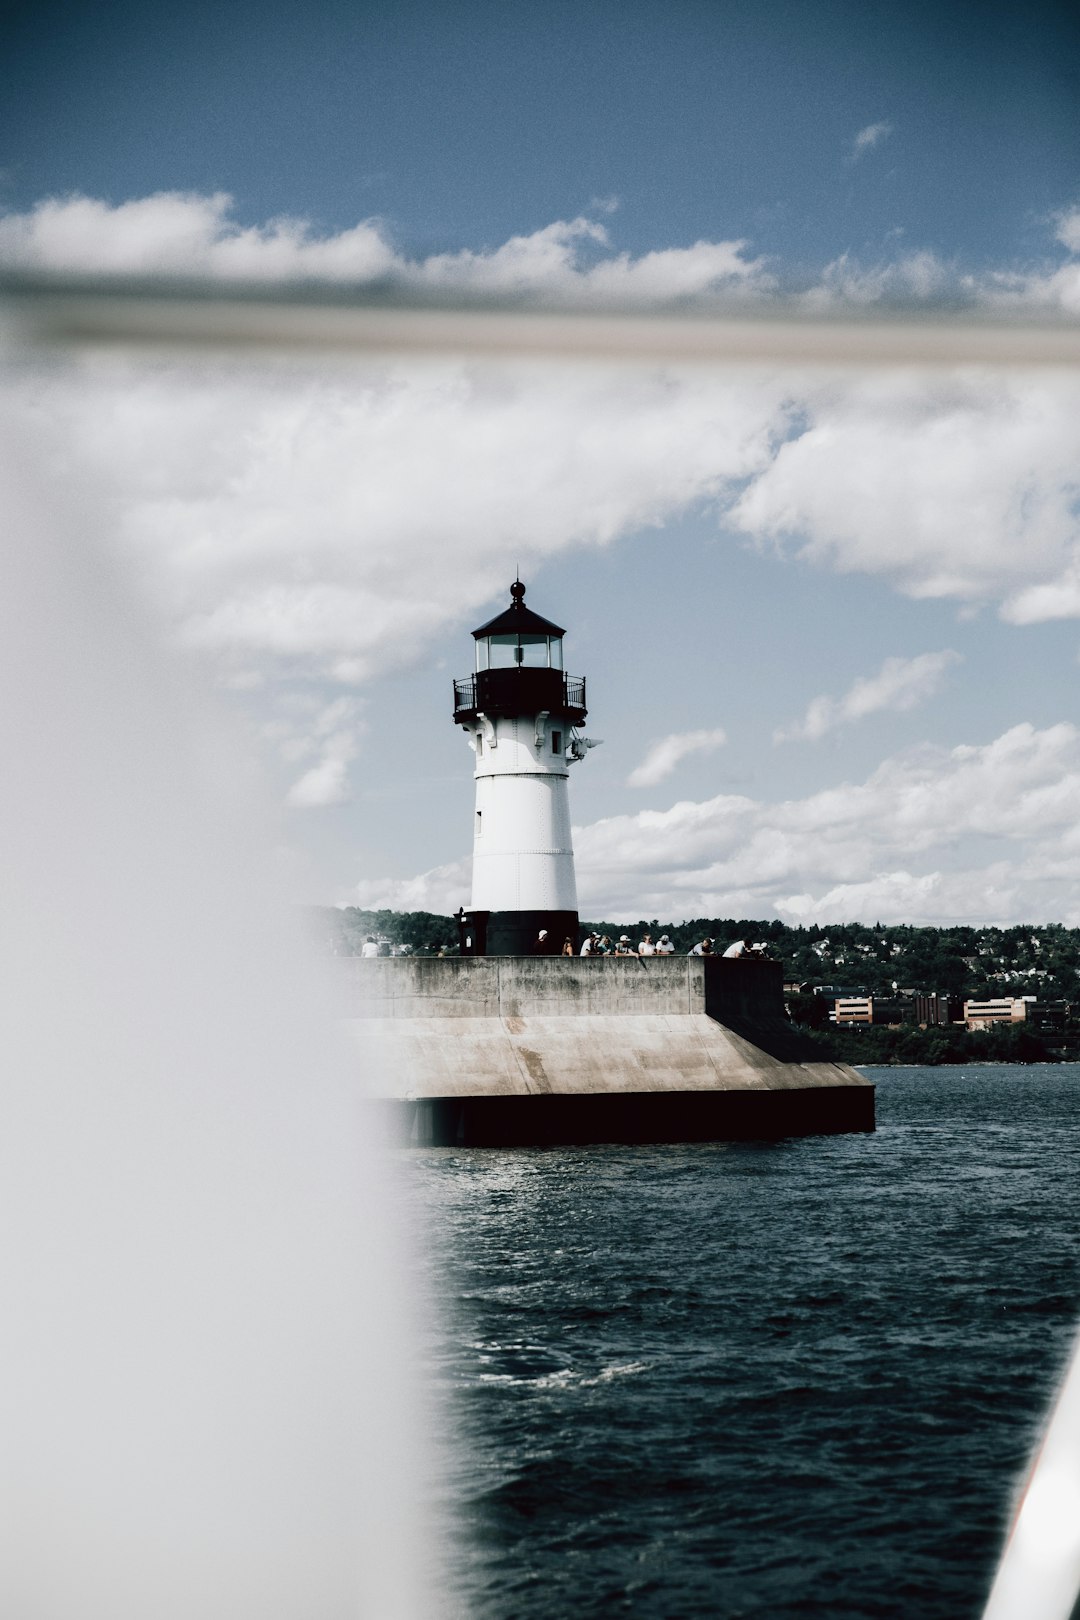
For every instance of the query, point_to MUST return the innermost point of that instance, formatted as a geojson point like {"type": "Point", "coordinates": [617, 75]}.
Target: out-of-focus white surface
{"type": "Point", "coordinates": [1039, 1576]}
{"type": "Point", "coordinates": [206, 1401]}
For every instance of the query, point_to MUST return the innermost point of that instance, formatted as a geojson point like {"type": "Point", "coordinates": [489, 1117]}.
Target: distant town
{"type": "Point", "coordinates": [885, 993]}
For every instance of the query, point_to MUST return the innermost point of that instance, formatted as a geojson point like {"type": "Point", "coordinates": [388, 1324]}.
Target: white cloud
{"type": "Point", "coordinates": [1057, 598]}
{"type": "Point", "coordinates": [912, 278]}
{"type": "Point", "coordinates": [328, 522]}
{"type": "Point", "coordinates": [674, 273]}
{"type": "Point", "coordinates": [332, 734]}
{"type": "Point", "coordinates": [550, 262]}
{"type": "Point", "coordinates": [1052, 287]}
{"type": "Point", "coordinates": [986, 896]}
{"type": "Point", "coordinates": [1015, 292]}
{"type": "Point", "coordinates": [921, 276]}
{"type": "Point", "coordinates": [1068, 229]}
{"type": "Point", "coordinates": [186, 234]}
{"type": "Point", "coordinates": [442, 890]}
{"type": "Point", "coordinates": [279, 503]}
{"type": "Point", "coordinates": [324, 784]}
{"type": "Point", "coordinates": [960, 485]}
{"type": "Point", "coordinates": [664, 755]}
{"type": "Point", "coordinates": [868, 138]}
{"type": "Point", "coordinates": [900, 684]}
{"type": "Point", "coordinates": [986, 833]}
{"type": "Point", "coordinates": [321, 736]}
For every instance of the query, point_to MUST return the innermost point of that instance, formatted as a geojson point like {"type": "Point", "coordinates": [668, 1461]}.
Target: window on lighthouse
{"type": "Point", "coordinates": [531, 651]}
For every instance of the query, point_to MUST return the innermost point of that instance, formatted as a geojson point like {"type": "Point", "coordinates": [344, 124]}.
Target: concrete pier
{"type": "Point", "coordinates": [520, 1051]}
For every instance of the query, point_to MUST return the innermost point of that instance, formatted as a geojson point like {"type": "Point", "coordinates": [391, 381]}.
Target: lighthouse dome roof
{"type": "Point", "coordinates": [518, 617]}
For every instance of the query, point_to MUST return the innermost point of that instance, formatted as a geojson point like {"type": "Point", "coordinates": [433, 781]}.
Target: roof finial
{"type": "Point", "coordinates": [517, 590]}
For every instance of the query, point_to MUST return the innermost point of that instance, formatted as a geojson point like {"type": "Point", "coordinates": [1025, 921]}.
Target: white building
{"type": "Point", "coordinates": [1001, 1010]}
{"type": "Point", "coordinates": [854, 1010]}
{"type": "Point", "coordinates": [520, 712]}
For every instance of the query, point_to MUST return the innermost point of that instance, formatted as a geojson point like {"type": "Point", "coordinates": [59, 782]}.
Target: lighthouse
{"type": "Point", "coordinates": [520, 712]}
{"type": "Point", "coordinates": [509, 1053]}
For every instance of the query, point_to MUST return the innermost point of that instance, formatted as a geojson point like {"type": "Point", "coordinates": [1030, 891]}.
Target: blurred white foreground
{"type": "Point", "coordinates": [205, 1401]}
{"type": "Point", "coordinates": [1040, 1570]}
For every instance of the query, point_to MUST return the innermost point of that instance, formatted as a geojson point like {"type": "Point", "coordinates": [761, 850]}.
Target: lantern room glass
{"type": "Point", "coordinates": [526, 649]}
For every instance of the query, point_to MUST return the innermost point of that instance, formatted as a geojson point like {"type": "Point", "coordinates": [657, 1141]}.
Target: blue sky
{"type": "Point", "coordinates": [463, 125]}
{"type": "Point", "coordinates": [883, 570]}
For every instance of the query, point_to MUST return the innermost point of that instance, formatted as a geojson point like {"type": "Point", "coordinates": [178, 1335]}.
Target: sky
{"type": "Point", "coordinates": [829, 619]}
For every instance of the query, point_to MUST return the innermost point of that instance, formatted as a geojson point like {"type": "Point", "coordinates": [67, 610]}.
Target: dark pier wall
{"type": "Point", "coordinates": [590, 1118]}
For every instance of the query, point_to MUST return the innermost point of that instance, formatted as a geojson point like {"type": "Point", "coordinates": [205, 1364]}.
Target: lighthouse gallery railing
{"type": "Point", "coordinates": [505, 691]}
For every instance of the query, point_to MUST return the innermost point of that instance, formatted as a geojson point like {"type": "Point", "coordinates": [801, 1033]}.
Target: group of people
{"type": "Point", "coordinates": [594, 944]}
{"type": "Point", "coordinates": [740, 947]}
{"type": "Point", "coordinates": [601, 945]}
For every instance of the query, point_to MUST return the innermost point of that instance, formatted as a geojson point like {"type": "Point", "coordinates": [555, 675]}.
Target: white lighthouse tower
{"type": "Point", "coordinates": [520, 711]}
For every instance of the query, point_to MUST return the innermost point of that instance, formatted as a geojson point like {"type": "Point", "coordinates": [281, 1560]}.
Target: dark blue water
{"type": "Point", "coordinates": [757, 1380]}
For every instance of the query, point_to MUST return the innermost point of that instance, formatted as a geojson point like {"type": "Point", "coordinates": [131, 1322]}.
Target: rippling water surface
{"type": "Point", "coordinates": [796, 1378]}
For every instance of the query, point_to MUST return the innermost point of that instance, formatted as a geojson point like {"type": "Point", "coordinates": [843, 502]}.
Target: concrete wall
{"type": "Point", "coordinates": [529, 986]}
{"type": "Point", "coordinates": [548, 1055]}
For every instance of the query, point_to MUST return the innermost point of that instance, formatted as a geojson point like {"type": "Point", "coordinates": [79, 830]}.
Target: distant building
{"type": "Point", "coordinates": [938, 1009]}
{"type": "Point", "coordinates": [894, 1011]}
{"type": "Point", "coordinates": [1000, 1010]}
{"type": "Point", "coordinates": [854, 1010]}
{"type": "Point", "coordinates": [1048, 1017]}
{"type": "Point", "coordinates": [871, 1010]}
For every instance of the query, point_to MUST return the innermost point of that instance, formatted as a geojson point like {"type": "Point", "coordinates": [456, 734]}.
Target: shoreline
{"type": "Point", "coordinates": [978, 1063]}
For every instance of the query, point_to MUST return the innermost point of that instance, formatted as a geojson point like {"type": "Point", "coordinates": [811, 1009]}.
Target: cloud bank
{"type": "Point", "coordinates": [289, 512]}
{"type": "Point", "coordinates": [979, 833]}
{"type": "Point", "coordinates": [191, 235]}
{"type": "Point", "coordinates": [974, 832]}
{"type": "Point", "coordinates": [961, 486]}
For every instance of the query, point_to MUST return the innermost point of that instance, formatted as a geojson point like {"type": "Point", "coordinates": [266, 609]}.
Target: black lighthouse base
{"type": "Point", "coordinates": [515, 933]}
